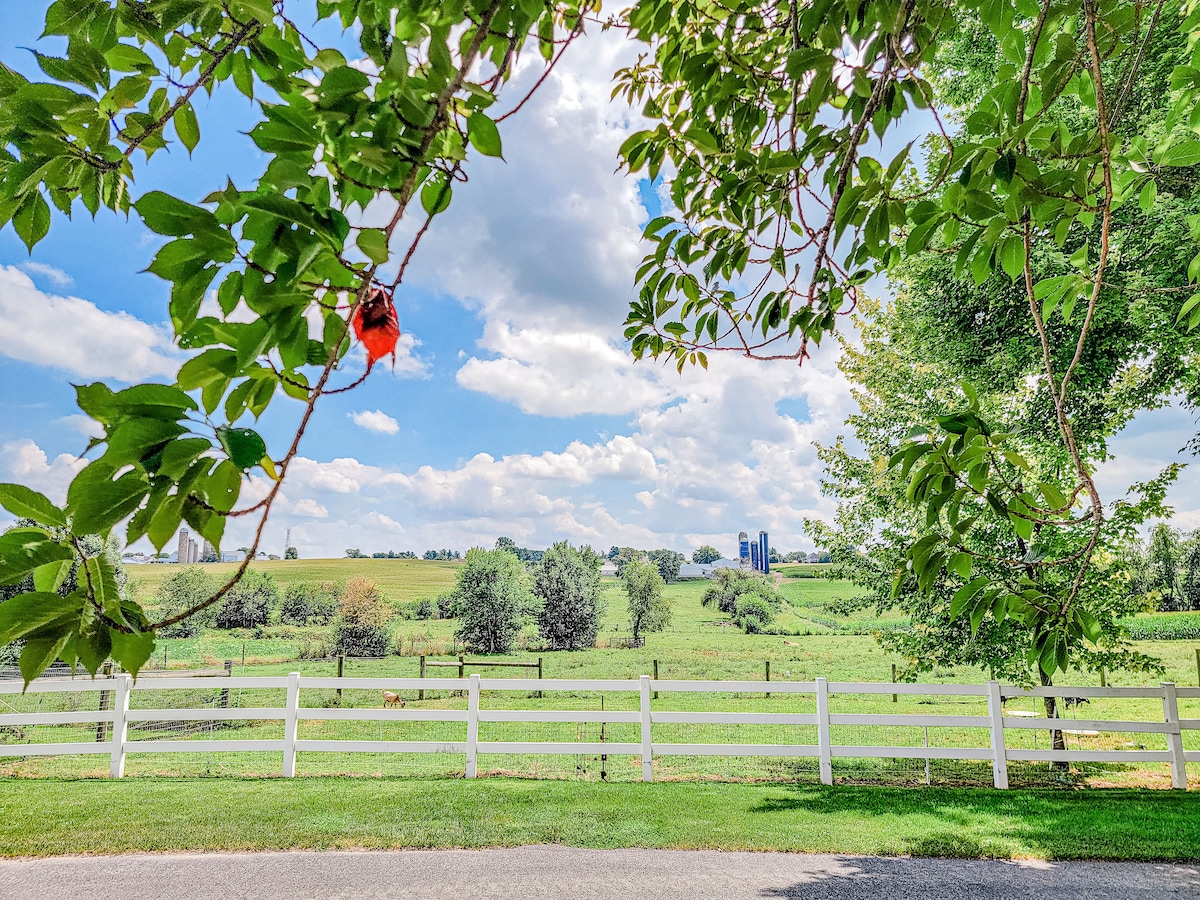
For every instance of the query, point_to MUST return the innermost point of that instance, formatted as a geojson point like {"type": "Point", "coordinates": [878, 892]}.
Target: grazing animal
{"type": "Point", "coordinates": [390, 699]}
{"type": "Point", "coordinates": [1074, 701]}
{"type": "Point", "coordinates": [791, 643]}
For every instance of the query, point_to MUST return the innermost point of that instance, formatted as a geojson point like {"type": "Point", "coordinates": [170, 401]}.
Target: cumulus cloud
{"type": "Point", "coordinates": [76, 336]}
{"type": "Point", "coordinates": [55, 276]}
{"type": "Point", "coordinates": [24, 462]}
{"type": "Point", "coordinates": [378, 421]}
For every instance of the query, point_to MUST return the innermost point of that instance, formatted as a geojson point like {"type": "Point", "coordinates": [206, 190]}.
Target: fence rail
{"type": "Point", "coordinates": [115, 717]}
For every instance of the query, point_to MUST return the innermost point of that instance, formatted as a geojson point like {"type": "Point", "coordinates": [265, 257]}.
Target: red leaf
{"type": "Point", "coordinates": [377, 326]}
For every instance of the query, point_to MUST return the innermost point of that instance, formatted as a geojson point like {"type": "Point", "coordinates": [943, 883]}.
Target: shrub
{"type": "Point", "coordinates": [730, 584]}
{"type": "Point", "coordinates": [250, 601]}
{"type": "Point", "coordinates": [490, 598]}
{"type": "Point", "coordinates": [754, 613]}
{"type": "Point", "coordinates": [182, 590]}
{"type": "Point", "coordinates": [445, 606]}
{"type": "Point", "coordinates": [363, 615]}
{"type": "Point", "coordinates": [423, 609]}
{"type": "Point", "coordinates": [567, 582]}
{"type": "Point", "coordinates": [310, 603]}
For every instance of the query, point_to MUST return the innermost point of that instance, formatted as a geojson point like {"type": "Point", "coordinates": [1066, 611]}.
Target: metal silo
{"type": "Point", "coordinates": [764, 552]}
{"type": "Point", "coordinates": [743, 549]}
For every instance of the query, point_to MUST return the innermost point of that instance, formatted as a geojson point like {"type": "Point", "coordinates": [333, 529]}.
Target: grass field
{"type": "Point", "coordinates": [700, 644]}
{"type": "Point", "coordinates": [73, 817]}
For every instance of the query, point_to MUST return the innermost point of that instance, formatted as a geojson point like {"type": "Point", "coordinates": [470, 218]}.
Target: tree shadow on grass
{"type": "Point", "coordinates": [979, 823]}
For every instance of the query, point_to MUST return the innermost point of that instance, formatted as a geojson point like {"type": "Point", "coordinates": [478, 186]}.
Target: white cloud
{"type": "Point", "coordinates": [26, 463]}
{"type": "Point", "coordinates": [55, 276]}
{"type": "Point", "coordinates": [77, 336]}
{"type": "Point", "coordinates": [309, 507]}
{"type": "Point", "coordinates": [375, 421]}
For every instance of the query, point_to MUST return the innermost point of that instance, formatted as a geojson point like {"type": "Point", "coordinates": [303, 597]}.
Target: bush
{"type": "Point", "coordinates": [363, 615]}
{"type": "Point", "coordinates": [249, 603]}
{"type": "Point", "coordinates": [445, 606]}
{"type": "Point", "coordinates": [182, 590]}
{"type": "Point", "coordinates": [423, 609]}
{"type": "Point", "coordinates": [490, 598]}
{"type": "Point", "coordinates": [754, 613]}
{"type": "Point", "coordinates": [730, 584]}
{"type": "Point", "coordinates": [310, 603]}
{"type": "Point", "coordinates": [567, 582]}
{"type": "Point", "coordinates": [359, 640]}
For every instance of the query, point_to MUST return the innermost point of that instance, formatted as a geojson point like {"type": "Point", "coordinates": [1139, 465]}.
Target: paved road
{"type": "Point", "coordinates": [558, 873]}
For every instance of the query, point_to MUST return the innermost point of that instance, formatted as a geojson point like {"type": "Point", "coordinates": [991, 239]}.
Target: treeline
{"type": "Point", "coordinates": [1165, 568]}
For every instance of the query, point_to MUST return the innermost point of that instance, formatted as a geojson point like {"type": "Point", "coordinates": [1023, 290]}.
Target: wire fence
{"type": "Point", "coordinates": [600, 730]}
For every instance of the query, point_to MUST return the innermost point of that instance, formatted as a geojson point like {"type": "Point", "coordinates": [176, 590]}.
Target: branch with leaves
{"type": "Point", "coordinates": [397, 125]}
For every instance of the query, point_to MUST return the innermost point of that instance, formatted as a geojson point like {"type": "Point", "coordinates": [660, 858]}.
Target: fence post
{"type": "Point", "coordinates": [999, 754]}
{"type": "Point", "coordinates": [655, 676]}
{"type": "Point", "coordinates": [421, 692]}
{"type": "Point", "coordinates": [1103, 677]}
{"type": "Point", "coordinates": [225, 691]}
{"type": "Point", "coordinates": [768, 675]}
{"type": "Point", "coordinates": [1198, 665]}
{"type": "Point", "coordinates": [103, 729]}
{"type": "Point", "coordinates": [539, 693]}
{"type": "Point", "coordinates": [1174, 737]}
{"type": "Point", "coordinates": [472, 724]}
{"type": "Point", "coordinates": [823, 744]}
{"type": "Point", "coordinates": [341, 671]}
{"type": "Point", "coordinates": [647, 746]}
{"type": "Point", "coordinates": [120, 725]}
{"type": "Point", "coordinates": [895, 698]}
{"type": "Point", "coordinates": [290, 724]}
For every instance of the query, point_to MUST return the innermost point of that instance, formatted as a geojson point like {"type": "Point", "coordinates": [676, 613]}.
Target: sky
{"type": "Point", "coordinates": [514, 407]}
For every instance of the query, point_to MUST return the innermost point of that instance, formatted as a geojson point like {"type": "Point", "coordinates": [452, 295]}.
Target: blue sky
{"type": "Point", "coordinates": [514, 408]}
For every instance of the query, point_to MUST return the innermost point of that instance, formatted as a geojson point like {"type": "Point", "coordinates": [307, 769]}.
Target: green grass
{"type": "Point", "coordinates": [401, 579]}
{"type": "Point", "coordinates": [68, 817]}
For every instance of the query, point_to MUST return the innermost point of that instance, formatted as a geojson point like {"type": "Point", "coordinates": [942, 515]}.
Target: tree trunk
{"type": "Point", "coordinates": [1056, 736]}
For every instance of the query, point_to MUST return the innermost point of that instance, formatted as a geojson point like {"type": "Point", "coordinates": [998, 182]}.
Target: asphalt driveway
{"type": "Point", "coordinates": [533, 873]}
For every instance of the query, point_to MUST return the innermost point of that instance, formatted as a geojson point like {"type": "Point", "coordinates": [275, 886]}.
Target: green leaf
{"type": "Point", "coordinates": [39, 653]}
{"type": "Point", "coordinates": [132, 651]}
{"type": "Point", "coordinates": [1186, 153]}
{"type": "Point", "coordinates": [26, 503]}
{"type": "Point", "coordinates": [1148, 195]}
{"type": "Point", "coordinates": [26, 613]}
{"type": "Point", "coordinates": [245, 447]}
{"type": "Point", "coordinates": [374, 243]}
{"type": "Point", "coordinates": [435, 197]}
{"type": "Point", "coordinates": [484, 135]}
{"type": "Point", "coordinates": [187, 127]}
{"type": "Point", "coordinates": [97, 501]}
{"type": "Point", "coordinates": [32, 219]}
{"type": "Point", "coordinates": [22, 550]}
{"type": "Point", "coordinates": [49, 578]}
{"type": "Point", "coordinates": [102, 578]}
{"type": "Point", "coordinates": [965, 593]}
{"type": "Point", "coordinates": [165, 214]}
{"type": "Point", "coordinates": [960, 564]}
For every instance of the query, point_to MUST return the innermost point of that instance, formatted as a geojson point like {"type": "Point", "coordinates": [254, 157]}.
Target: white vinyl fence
{"type": "Point", "coordinates": [112, 718]}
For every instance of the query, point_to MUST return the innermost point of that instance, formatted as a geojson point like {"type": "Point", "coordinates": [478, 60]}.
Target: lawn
{"type": "Point", "coordinates": [69, 817]}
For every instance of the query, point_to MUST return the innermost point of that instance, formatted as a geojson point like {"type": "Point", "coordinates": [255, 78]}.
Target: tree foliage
{"type": "Point", "coordinates": [491, 600]}
{"type": "Point", "coordinates": [567, 585]}
{"type": "Point", "coordinates": [395, 130]}
{"type": "Point", "coordinates": [1071, 121]}
{"type": "Point", "coordinates": [250, 602]}
{"type": "Point", "coordinates": [649, 608]}
{"type": "Point", "coordinates": [705, 554]}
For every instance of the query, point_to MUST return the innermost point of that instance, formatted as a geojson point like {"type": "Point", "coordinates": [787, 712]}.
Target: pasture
{"type": "Point", "coordinates": [700, 644]}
